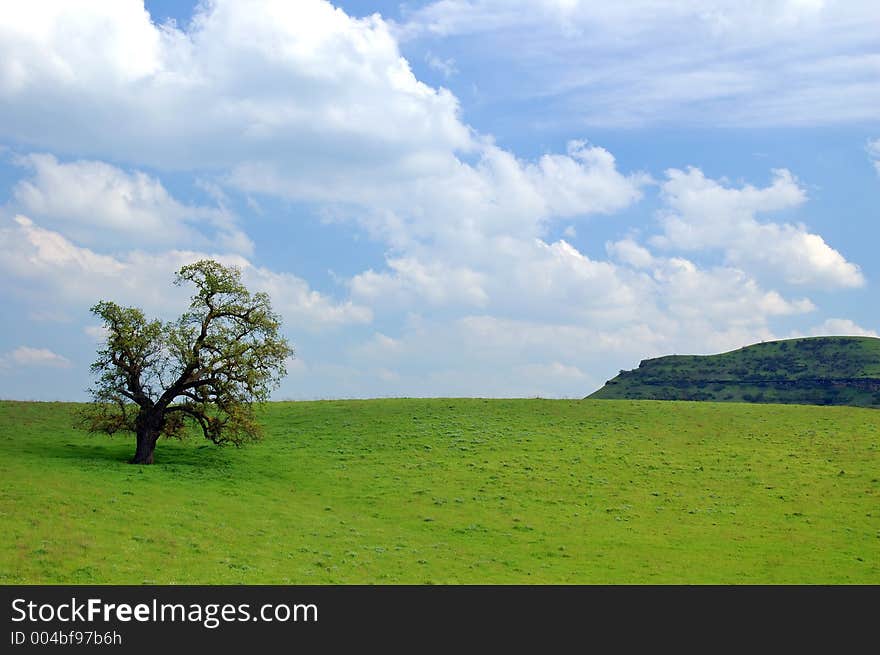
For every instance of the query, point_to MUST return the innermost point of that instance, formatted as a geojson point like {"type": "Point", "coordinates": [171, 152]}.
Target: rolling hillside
{"type": "Point", "coordinates": [812, 371]}
{"type": "Point", "coordinates": [471, 491]}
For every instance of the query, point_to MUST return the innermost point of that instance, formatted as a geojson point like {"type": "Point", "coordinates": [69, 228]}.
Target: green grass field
{"type": "Point", "coordinates": [453, 491]}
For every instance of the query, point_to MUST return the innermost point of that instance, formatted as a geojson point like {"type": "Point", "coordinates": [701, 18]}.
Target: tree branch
{"type": "Point", "coordinates": [198, 416]}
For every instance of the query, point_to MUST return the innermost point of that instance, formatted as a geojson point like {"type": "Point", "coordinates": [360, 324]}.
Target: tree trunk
{"type": "Point", "coordinates": [149, 426]}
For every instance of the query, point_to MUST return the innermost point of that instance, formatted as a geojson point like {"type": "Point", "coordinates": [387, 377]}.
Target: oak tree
{"type": "Point", "coordinates": [204, 371]}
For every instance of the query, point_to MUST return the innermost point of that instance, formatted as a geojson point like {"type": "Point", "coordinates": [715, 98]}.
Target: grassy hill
{"type": "Point", "coordinates": [813, 371]}
{"type": "Point", "coordinates": [469, 491]}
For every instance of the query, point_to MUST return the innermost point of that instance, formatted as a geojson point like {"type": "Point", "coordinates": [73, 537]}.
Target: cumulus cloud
{"type": "Point", "coordinates": [296, 100]}
{"type": "Point", "coordinates": [778, 62]}
{"type": "Point", "coordinates": [585, 180]}
{"type": "Point", "coordinates": [629, 252]}
{"type": "Point", "coordinates": [725, 295]}
{"type": "Point", "coordinates": [299, 101]}
{"type": "Point", "coordinates": [59, 273]}
{"type": "Point", "coordinates": [27, 356]}
{"type": "Point", "coordinates": [523, 278]}
{"type": "Point", "coordinates": [552, 304]}
{"type": "Point", "coordinates": [291, 99]}
{"type": "Point", "coordinates": [840, 327]}
{"type": "Point", "coordinates": [460, 203]}
{"type": "Point", "coordinates": [409, 281]}
{"type": "Point", "coordinates": [96, 203]}
{"type": "Point", "coordinates": [301, 82]}
{"type": "Point", "coordinates": [485, 355]}
{"type": "Point", "coordinates": [704, 214]}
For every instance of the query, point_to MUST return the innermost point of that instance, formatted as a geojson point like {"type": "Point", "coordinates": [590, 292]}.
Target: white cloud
{"type": "Point", "coordinates": [552, 371]}
{"type": "Point", "coordinates": [300, 305]}
{"type": "Point", "coordinates": [99, 204]}
{"type": "Point", "coordinates": [446, 67]}
{"type": "Point", "coordinates": [524, 278]}
{"type": "Point", "coordinates": [458, 203]}
{"type": "Point", "coordinates": [631, 253]}
{"type": "Point", "coordinates": [513, 276]}
{"type": "Point", "coordinates": [27, 356]}
{"type": "Point", "coordinates": [94, 41]}
{"type": "Point", "coordinates": [292, 99]}
{"type": "Point", "coordinates": [727, 62]}
{"type": "Point", "coordinates": [296, 82]}
{"type": "Point", "coordinates": [704, 214]}
{"type": "Point", "coordinates": [550, 306]}
{"type": "Point", "coordinates": [556, 280]}
{"type": "Point", "coordinates": [484, 355]}
{"type": "Point", "coordinates": [54, 271]}
{"type": "Point", "coordinates": [840, 327]}
{"type": "Point", "coordinates": [410, 281]}
{"type": "Point", "coordinates": [97, 333]}
{"type": "Point", "coordinates": [584, 181]}
{"type": "Point", "coordinates": [874, 152]}
{"type": "Point", "coordinates": [30, 250]}
{"type": "Point", "coordinates": [300, 101]}
{"type": "Point", "coordinates": [727, 296]}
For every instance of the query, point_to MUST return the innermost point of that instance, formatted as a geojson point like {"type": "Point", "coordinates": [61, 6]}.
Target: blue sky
{"type": "Point", "coordinates": [450, 198]}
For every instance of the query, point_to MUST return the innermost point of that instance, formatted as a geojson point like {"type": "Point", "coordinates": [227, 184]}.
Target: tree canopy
{"type": "Point", "coordinates": [206, 369]}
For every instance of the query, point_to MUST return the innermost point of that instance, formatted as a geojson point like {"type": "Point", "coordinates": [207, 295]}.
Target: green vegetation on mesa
{"type": "Point", "coordinates": [468, 491]}
{"type": "Point", "coordinates": [812, 371]}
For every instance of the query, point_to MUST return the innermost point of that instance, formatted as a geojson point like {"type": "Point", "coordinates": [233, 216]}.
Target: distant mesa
{"type": "Point", "coordinates": [811, 371]}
